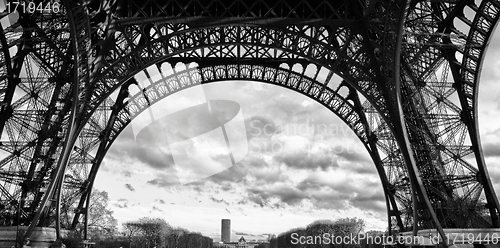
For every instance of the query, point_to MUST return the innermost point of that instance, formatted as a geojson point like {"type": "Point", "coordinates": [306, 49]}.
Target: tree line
{"type": "Point", "coordinates": [157, 233]}
{"type": "Point", "coordinates": [341, 233]}
{"type": "Point", "coordinates": [145, 232]}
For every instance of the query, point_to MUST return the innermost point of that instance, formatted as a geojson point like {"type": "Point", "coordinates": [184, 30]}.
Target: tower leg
{"type": "Point", "coordinates": [41, 237]}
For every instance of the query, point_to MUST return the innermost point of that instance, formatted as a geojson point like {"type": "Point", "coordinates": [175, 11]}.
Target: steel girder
{"type": "Point", "coordinates": [414, 120]}
{"type": "Point", "coordinates": [302, 9]}
{"type": "Point", "coordinates": [31, 123]}
{"type": "Point", "coordinates": [299, 44]}
{"type": "Point", "coordinates": [347, 107]}
{"type": "Point", "coordinates": [441, 143]}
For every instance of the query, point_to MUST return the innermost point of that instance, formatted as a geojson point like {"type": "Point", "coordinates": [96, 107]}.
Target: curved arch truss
{"type": "Point", "coordinates": [347, 107]}
{"type": "Point", "coordinates": [411, 70]}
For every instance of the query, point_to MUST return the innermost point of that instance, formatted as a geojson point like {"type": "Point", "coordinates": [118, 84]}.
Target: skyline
{"type": "Point", "coordinates": [304, 181]}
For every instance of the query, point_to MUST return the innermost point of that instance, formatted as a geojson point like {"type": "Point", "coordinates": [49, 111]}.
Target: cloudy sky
{"type": "Point", "coordinates": [300, 164]}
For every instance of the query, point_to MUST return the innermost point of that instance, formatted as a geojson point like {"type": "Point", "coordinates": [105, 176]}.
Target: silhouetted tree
{"type": "Point", "coordinates": [155, 232]}
{"type": "Point", "coordinates": [150, 232]}
{"type": "Point", "coordinates": [101, 221]}
{"type": "Point", "coordinates": [131, 230]}
{"type": "Point", "coordinates": [321, 234]}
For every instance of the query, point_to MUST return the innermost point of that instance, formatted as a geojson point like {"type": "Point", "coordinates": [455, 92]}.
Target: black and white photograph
{"type": "Point", "coordinates": [249, 123]}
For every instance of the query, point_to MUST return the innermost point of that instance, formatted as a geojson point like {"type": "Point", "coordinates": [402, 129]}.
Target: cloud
{"type": "Point", "coordinates": [258, 200]}
{"type": "Point", "coordinates": [371, 201]}
{"type": "Point", "coordinates": [260, 126]}
{"type": "Point", "coordinates": [165, 180]}
{"type": "Point", "coordinates": [129, 187]}
{"type": "Point", "coordinates": [122, 203]}
{"type": "Point", "coordinates": [219, 200]}
{"type": "Point", "coordinates": [125, 149]}
{"type": "Point", "coordinates": [284, 193]}
{"type": "Point", "coordinates": [330, 199]}
{"type": "Point", "coordinates": [161, 182]}
{"type": "Point", "coordinates": [266, 175]}
{"type": "Point", "coordinates": [490, 149]}
{"type": "Point", "coordinates": [366, 168]}
{"type": "Point", "coordinates": [244, 234]}
{"type": "Point", "coordinates": [352, 153]}
{"type": "Point", "coordinates": [322, 158]}
{"type": "Point", "coordinates": [227, 187]}
{"type": "Point", "coordinates": [327, 191]}
{"type": "Point", "coordinates": [232, 174]}
{"type": "Point", "coordinates": [127, 173]}
{"type": "Point", "coordinates": [154, 208]}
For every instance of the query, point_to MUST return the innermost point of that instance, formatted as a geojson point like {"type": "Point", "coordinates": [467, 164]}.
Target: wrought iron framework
{"type": "Point", "coordinates": [411, 70]}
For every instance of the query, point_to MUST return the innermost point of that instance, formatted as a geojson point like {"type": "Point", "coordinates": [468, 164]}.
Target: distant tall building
{"type": "Point", "coordinates": [226, 231]}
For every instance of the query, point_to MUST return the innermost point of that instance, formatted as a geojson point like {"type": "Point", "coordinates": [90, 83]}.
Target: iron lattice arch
{"type": "Point", "coordinates": [348, 107]}
{"type": "Point", "coordinates": [411, 70]}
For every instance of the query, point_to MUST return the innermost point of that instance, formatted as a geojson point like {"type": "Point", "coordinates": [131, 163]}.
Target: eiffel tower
{"type": "Point", "coordinates": [402, 74]}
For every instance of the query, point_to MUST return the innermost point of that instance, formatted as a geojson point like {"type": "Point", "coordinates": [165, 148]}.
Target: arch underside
{"type": "Point", "coordinates": [348, 108]}
{"type": "Point", "coordinates": [439, 65]}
